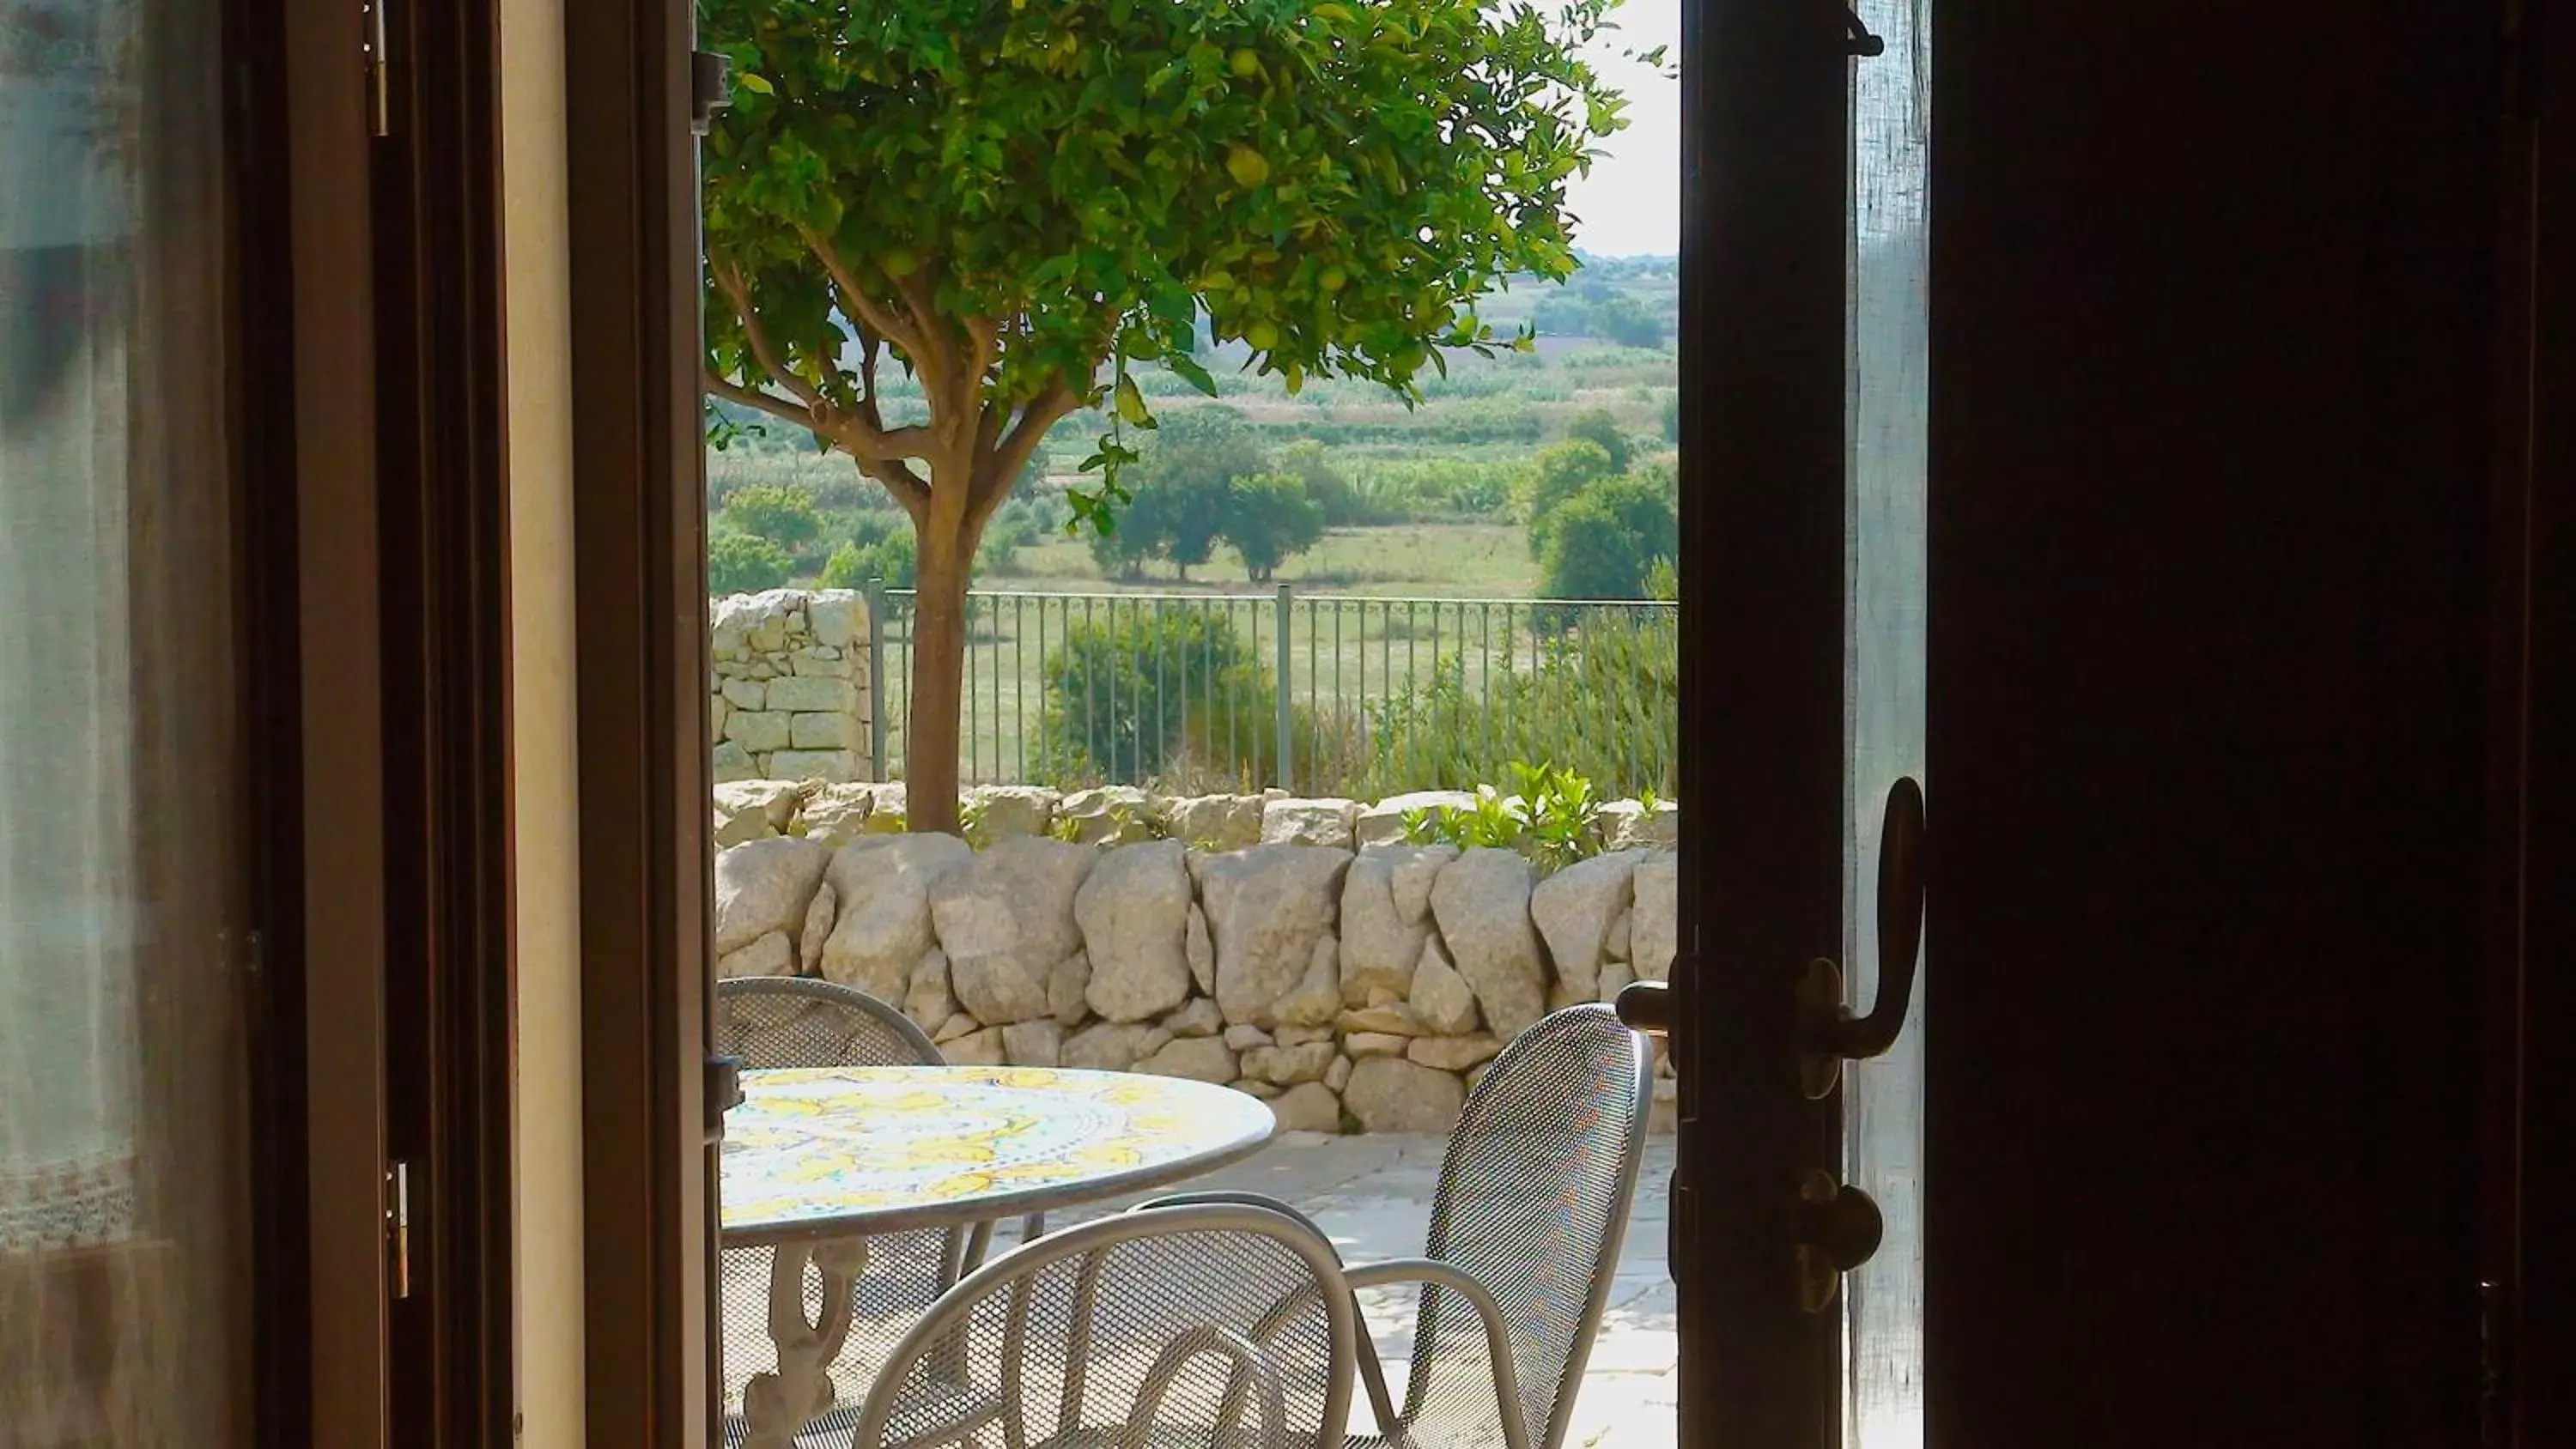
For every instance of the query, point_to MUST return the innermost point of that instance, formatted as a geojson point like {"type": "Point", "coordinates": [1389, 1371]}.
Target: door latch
{"type": "Point", "coordinates": [1833, 1034]}
{"type": "Point", "coordinates": [1857, 41]}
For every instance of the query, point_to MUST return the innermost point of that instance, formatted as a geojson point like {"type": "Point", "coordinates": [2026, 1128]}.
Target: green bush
{"type": "Point", "coordinates": [1557, 474]}
{"type": "Point", "coordinates": [738, 563]}
{"type": "Point", "coordinates": [1597, 425]}
{"type": "Point", "coordinates": [1601, 542]}
{"type": "Point", "coordinates": [785, 516]}
{"type": "Point", "coordinates": [1602, 699]}
{"type": "Point", "coordinates": [1126, 694]}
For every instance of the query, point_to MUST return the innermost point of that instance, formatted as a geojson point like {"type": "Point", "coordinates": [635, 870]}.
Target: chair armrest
{"type": "Point", "coordinates": [1498, 1339]}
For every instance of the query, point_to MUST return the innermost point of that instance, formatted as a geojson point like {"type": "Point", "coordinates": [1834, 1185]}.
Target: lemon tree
{"type": "Point", "coordinates": [1020, 202]}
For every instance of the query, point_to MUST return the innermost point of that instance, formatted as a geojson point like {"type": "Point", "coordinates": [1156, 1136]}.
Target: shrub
{"type": "Point", "coordinates": [785, 516]}
{"type": "Point", "coordinates": [1601, 699]}
{"type": "Point", "coordinates": [1125, 694]}
{"type": "Point", "coordinates": [1600, 543]}
{"type": "Point", "coordinates": [738, 563]}
{"type": "Point", "coordinates": [1597, 425]}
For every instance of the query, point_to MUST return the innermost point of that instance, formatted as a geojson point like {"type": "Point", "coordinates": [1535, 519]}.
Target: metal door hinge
{"type": "Point", "coordinates": [398, 1226]}
{"type": "Point", "coordinates": [373, 47]}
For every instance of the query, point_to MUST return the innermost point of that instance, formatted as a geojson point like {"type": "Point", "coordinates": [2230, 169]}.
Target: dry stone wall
{"type": "Point", "coordinates": [1276, 945]}
{"type": "Point", "coordinates": [788, 691]}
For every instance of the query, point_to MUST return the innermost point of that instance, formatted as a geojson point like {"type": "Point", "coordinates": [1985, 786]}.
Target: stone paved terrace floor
{"type": "Point", "coordinates": [1373, 1194]}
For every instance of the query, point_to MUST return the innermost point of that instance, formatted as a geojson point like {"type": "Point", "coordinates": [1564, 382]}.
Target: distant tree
{"type": "Point", "coordinates": [898, 560]}
{"type": "Point", "coordinates": [784, 516]}
{"type": "Point", "coordinates": [1562, 314]}
{"type": "Point", "coordinates": [1672, 417]}
{"type": "Point", "coordinates": [1626, 321]}
{"type": "Point", "coordinates": [1269, 518]}
{"type": "Point", "coordinates": [847, 568]}
{"type": "Point", "coordinates": [1332, 490]}
{"type": "Point", "coordinates": [1558, 473]}
{"type": "Point", "coordinates": [1604, 542]}
{"type": "Point", "coordinates": [1599, 426]}
{"type": "Point", "coordinates": [738, 563]}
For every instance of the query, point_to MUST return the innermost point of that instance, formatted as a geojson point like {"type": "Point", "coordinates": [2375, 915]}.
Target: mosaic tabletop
{"type": "Point", "coordinates": [827, 1151]}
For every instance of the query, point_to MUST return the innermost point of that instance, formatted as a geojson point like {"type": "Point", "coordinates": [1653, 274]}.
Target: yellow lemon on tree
{"type": "Point", "coordinates": [1247, 166]}
{"type": "Point", "coordinates": [1243, 62]}
{"type": "Point", "coordinates": [1332, 279]}
{"type": "Point", "coordinates": [1262, 335]}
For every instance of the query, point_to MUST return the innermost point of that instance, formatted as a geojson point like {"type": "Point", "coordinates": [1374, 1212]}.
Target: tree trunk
{"type": "Point", "coordinates": [938, 677]}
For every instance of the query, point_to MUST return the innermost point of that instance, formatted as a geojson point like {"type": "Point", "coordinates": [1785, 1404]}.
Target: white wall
{"type": "Point", "coordinates": [547, 1167]}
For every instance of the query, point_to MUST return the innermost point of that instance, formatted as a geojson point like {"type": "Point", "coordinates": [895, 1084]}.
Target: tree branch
{"type": "Point", "coordinates": [784, 409]}
{"type": "Point", "coordinates": [875, 317]}
{"type": "Point", "coordinates": [729, 280]}
{"type": "Point", "coordinates": [1002, 465]}
{"type": "Point", "coordinates": [909, 488]}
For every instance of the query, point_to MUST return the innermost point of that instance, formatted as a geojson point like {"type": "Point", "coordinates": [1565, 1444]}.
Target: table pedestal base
{"type": "Point", "coordinates": [776, 1405]}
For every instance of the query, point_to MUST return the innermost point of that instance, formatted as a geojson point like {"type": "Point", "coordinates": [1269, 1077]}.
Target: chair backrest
{"type": "Point", "coordinates": [1533, 1202]}
{"type": "Point", "coordinates": [789, 1021]}
{"type": "Point", "coordinates": [1205, 1325]}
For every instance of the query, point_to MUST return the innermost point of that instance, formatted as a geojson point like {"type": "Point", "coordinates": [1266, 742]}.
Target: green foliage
{"type": "Point", "coordinates": [784, 516]}
{"type": "Point", "coordinates": [1672, 417]}
{"type": "Point", "coordinates": [1206, 481]}
{"type": "Point", "coordinates": [847, 568]}
{"type": "Point", "coordinates": [898, 560]}
{"type": "Point", "coordinates": [1553, 816]}
{"type": "Point", "coordinates": [1334, 185]}
{"type": "Point", "coordinates": [1626, 321]}
{"type": "Point", "coordinates": [1601, 542]}
{"type": "Point", "coordinates": [1557, 474]}
{"type": "Point", "coordinates": [1601, 698]}
{"type": "Point", "coordinates": [1343, 505]}
{"type": "Point", "coordinates": [738, 563]}
{"type": "Point", "coordinates": [1598, 426]}
{"type": "Point", "coordinates": [1664, 581]}
{"type": "Point", "coordinates": [1125, 694]}
{"type": "Point", "coordinates": [1268, 519]}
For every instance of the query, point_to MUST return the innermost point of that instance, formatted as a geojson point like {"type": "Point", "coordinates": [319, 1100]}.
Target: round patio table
{"type": "Point", "coordinates": [818, 1159]}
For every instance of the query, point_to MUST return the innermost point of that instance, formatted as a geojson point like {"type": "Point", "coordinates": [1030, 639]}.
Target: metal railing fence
{"type": "Point", "coordinates": [1317, 694]}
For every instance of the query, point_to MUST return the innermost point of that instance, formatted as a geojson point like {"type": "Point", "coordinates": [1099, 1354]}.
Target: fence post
{"type": "Point", "coordinates": [1286, 767]}
{"type": "Point", "coordinates": [877, 691]}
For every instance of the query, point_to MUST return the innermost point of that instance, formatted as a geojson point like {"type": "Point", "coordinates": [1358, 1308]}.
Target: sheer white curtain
{"type": "Point", "coordinates": [123, 1235]}
{"type": "Point", "coordinates": [68, 891]}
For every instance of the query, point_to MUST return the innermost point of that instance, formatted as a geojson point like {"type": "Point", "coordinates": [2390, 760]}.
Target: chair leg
{"type": "Point", "coordinates": [1032, 1227]}
{"type": "Point", "coordinates": [979, 1241]}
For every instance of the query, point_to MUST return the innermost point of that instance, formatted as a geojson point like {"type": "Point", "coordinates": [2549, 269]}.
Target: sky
{"type": "Point", "coordinates": [1631, 203]}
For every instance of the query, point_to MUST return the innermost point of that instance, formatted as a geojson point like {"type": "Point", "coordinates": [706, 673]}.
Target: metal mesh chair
{"type": "Point", "coordinates": [777, 1021]}
{"type": "Point", "coordinates": [1525, 1233]}
{"type": "Point", "coordinates": [1216, 1327]}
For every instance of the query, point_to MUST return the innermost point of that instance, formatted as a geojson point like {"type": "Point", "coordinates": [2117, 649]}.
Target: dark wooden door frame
{"type": "Point", "coordinates": [443, 580]}
{"type": "Point", "coordinates": [1765, 101]}
{"type": "Point", "coordinates": [640, 563]}
{"type": "Point", "coordinates": [2532, 1070]}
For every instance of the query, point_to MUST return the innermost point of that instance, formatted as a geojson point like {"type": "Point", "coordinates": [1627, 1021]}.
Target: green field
{"type": "Point", "coordinates": [1428, 560]}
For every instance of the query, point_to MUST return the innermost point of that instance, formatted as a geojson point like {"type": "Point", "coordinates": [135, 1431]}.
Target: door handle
{"type": "Point", "coordinates": [1834, 1035]}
